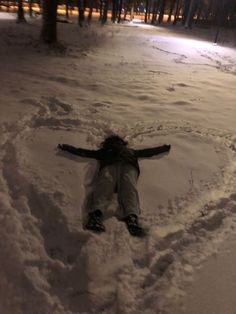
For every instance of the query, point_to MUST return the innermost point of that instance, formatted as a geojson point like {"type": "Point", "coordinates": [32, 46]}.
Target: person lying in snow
{"type": "Point", "coordinates": [119, 172]}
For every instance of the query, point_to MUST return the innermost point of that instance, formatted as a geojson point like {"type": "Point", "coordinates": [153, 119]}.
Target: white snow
{"type": "Point", "coordinates": [153, 86]}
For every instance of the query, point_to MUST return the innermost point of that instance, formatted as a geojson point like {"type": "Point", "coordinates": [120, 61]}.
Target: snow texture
{"type": "Point", "coordinates": [152, 86]}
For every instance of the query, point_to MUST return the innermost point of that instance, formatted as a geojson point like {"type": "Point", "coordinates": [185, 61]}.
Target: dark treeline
{"type": "Point", "coordinates": [186, 12]}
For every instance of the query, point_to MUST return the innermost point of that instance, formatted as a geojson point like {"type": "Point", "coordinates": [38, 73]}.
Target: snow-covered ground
{"type": "Point", "coordinates": [153, 86]}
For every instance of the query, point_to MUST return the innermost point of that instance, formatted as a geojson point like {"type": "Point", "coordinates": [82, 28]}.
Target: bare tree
{"type": "Point", "coordinates": [20, 13]}
{"type": "Point", "coordinates": [191, 12]}
{"type": "Point", "coordinates": [103, 11]}
{"type": "Point", "coordinates": [81, 8]}
{"type": "Point", "coordinates": [146, 11]}
{"type": "Point", "coordinates": [49, 27]}
{"type": "Point", "coordinates": [67, 9]}
{"type": "Point", "coordinates": [90, 6]}
{"type": "Point", "coordinates": [30, 4]}
{"type": "Point", "coordinates": [115, 7]}
{"type": "Point", "coordinates": [120, 10]}
{"type": "Point", "coordinates": [155, 10]}
{"type": "Point", "coordinates": [172, 5]}
{"type": "Point", "coordinates": [177, 10]}
{"type": "Point", "coordinates": [162, 6]}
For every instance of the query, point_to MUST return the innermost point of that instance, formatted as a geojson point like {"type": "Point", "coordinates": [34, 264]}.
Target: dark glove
{"type": "Point", "coordinates": [63, 146]}
{"type": "Point", "coordinates": [167, 147]}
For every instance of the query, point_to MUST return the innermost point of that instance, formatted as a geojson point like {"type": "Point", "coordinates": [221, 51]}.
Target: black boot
{"type": "Point", "coordinates": [133, 225]}
{"type": "Point", "coordinates": [95, 221]}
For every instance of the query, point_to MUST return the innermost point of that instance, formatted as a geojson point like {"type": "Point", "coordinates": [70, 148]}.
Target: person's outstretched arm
{"type": "Point", "coordinates": [149, 152]}
{"type": "Point", "coordinates": [88, 153]}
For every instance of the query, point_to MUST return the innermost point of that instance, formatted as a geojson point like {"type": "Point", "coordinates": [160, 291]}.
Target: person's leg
{"type": "Point", "coordinates": [104, 188]}
{"type": "Point", "coordinates": [102, 195]}
{"type": "Point", "coordinates": [127, 189]}
{"type": "Point", "coordinates": [128, 198]}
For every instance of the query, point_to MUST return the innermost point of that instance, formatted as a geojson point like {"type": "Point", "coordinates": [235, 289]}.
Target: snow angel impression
{"type": "Point", "coordinates": [118, 173]}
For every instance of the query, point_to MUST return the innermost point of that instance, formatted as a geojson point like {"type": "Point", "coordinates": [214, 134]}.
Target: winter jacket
{"type": "Point", "coordinates": [109, 156]}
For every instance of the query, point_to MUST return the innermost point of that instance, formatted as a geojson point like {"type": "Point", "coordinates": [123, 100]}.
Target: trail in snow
{"type": "Point", "coordinates": [224, 64]}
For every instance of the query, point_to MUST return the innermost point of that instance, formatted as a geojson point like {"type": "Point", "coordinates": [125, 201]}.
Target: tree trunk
{"type": "Point", "coordinates": [120, 10]}
{"type": "Point", "coordinates": [132, 12]}
{"type": "Point", "coordinates": [89, 18]}
{"type": "Point", "coordinates": [103, 11]}
{"type": "Point", "coordinates": [232, 14]}
{"type": "Point", "coordinates": [81, 12]}
{"type": "Point", "coordinates": [172, 5]}
{"type": "Point", "coordinates": [40, 4]}
{"type": "Point", "coordinates": [177, 12]}
{"type": "Point", "coordinates": [20, 13]}
{"type": "Point", "coordinates": [162, 11]}
{"type": "Point", "coordinates": [67, 9]}
{"type": "Point", "coordinates": [100, 10]}
{"type": "Point", "coordinates": [190, 13]}
{"type": "Point", "coordinates": [146, 11]}
{"type": "Point", "coordinates": [49, 28]}
{"type": "Point", "coordinates": [114, 10]}
{"type": "Point", "coordinates": [199, 12]}
{"type": "Point", "coordinates": [30, 8]}
{"type": "Point", "coordinates": [104, 18]}
{"type": "Point", "coordinates": [154, 13]}
{"type": "Point", "coordinates": [186, 5]}
{"type": "Point", "coordinates": [220, 14]}
{"type": "Point", "coordinates": [208, 10]}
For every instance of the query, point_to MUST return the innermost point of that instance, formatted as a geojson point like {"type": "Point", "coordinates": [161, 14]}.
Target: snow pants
{"type": "Point", "coordinates": [120, 177]}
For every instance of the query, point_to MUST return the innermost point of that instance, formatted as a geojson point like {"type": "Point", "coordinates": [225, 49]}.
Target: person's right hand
{"type": "Point", "coordinates": [167, 147]}
{"type": "Point", "coordinates": [62, 146]}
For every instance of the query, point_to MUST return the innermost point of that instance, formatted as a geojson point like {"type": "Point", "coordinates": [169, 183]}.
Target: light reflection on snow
{"type": "Point", "coordinates": [7, 16]}
{"type": "Point", "coordinates": [181, 39]}
{"type": "Point", "coordinates": [190, 47]}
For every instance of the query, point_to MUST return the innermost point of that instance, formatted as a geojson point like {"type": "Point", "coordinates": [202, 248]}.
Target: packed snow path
{"type": "Point", "coordinates": [150, 87]}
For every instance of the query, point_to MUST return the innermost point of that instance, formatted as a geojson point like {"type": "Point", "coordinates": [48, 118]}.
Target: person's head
{"type": "Point", "coordinates": [113, 141]}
